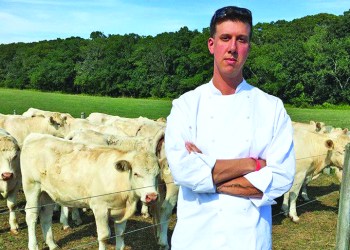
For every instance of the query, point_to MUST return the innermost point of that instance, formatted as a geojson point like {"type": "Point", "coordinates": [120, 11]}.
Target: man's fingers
{"type": "Point", "coordinates": [192, 148]}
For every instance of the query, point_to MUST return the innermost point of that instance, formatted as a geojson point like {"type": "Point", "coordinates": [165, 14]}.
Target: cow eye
{"type": "Point", "coordinates": [136, 175]}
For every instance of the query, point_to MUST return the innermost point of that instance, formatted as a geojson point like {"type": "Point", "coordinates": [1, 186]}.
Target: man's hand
{"type": "Point", "coordinates": [239, 187]}
{"type": "Point", "coordinates": [192, 148]}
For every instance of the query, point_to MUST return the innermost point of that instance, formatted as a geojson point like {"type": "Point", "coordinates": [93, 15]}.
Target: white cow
{"type": "Point", "coordinates": [83, 124]}
{"type": "Point", "coordinates": [105, 179]}
{"type": "Point", "coordinates": [312, 126]}
{"type": "Point", "coordinates": [10, 171]}
{"type": "Point", "coordinates": [89, 136]}
{"type": "Point", "coordinates": [140, 126]}
{"type": "Point", "coordinates": [319, 127]}
{"type": "Point", "coordinates": [314, 152]}
{"type": "Point", "coordinates": [101, 118]}
{"type": "Point", "coordinates": [167, 189]}
{"type": "Point", "coordinates": [31, 112]}
{"type": "Point", "coordinates": [19, 126]}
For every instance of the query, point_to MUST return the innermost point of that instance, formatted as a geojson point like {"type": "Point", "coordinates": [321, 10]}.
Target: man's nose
{"type": "Point", "coordinates": [232, 47]}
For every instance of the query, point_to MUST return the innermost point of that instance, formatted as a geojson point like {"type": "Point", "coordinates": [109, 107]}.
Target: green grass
{"type": "Point", "coordinates": [333, 117]}
{"type": "Point", "coordinates": [21, 100]}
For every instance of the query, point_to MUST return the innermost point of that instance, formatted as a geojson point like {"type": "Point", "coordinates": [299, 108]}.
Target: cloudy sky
{"type": "Point", "coordinates": [37, 20]}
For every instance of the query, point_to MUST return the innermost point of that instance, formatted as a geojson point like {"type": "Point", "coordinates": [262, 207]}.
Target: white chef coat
{"type": "Point", "coordinates": [249, 123]}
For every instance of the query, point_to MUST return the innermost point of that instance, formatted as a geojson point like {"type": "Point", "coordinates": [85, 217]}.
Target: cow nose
{"type": "Point", "coordinates": [6, 176]}
{"type": "Point", "coordinates": [151, 197]}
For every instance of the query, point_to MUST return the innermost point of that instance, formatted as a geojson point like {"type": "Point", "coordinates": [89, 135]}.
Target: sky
{"type": "Point", "coordinates": [38, 20]}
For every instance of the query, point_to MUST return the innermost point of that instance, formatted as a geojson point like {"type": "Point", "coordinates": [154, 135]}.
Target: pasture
{"type": "Point", "coordinates": [318, 218]}
{"type": "Point", "coordinates": [20, 100]}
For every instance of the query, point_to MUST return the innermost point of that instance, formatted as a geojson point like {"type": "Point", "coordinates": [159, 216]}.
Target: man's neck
{"type": "Point", "coordinates": [227, 86]}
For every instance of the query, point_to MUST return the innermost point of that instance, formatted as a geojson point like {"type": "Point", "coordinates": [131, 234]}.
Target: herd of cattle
{"type": "Point", "coordinates": [109, 163]}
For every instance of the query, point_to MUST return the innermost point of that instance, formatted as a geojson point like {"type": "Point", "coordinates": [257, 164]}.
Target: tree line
{"type": "Point", "coordinates": [304, 62]}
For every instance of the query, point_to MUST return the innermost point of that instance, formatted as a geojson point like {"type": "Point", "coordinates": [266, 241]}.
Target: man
{"type": "Point", "coordinates": [230, 149]}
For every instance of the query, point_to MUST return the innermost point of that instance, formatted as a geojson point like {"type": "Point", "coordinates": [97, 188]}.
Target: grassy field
{"type": "Point", "coordinates": [20, 100]}
{"type": "Point", "coordinates": [318, 218]}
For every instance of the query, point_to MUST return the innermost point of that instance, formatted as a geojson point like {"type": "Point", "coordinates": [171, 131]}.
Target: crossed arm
{"type": "Point", "coordinates": [228, 175]}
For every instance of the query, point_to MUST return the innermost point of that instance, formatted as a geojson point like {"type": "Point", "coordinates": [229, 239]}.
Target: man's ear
{"type": "Point", "coordinates": [211, 45]}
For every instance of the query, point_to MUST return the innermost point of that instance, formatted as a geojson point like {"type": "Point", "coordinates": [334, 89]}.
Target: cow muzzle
{"type": "Point", "coordinates": [6, 176]}
{"type": "Point", "coordinates": [151, 198]}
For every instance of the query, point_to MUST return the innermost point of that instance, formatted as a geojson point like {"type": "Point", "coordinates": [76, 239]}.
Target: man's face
{"type": "Point", "coordinates": [230, 47]}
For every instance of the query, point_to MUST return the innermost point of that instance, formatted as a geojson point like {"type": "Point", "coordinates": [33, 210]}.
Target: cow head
{"type": "Point", "coordinates": [9, 163]}
{"type": "Point", "coordinates": [58, 125]}
{"type": "Point", "coordinates": [337, 153]}
{"type": "Point", "coordinates": [143, 172]}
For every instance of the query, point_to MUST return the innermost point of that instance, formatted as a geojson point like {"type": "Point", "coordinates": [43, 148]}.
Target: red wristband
{"type": "Point", "coordinates": [257, 163]}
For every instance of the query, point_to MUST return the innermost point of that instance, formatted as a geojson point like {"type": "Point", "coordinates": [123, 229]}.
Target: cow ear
{"type": "Point", "coordinates": [318, 126]}
{"type": "Point", "coordinates": [52, 121]}
{"type": "Point", "coordinates": [123, 165]}
{"type": "Point", "coordinates": [329, 144]}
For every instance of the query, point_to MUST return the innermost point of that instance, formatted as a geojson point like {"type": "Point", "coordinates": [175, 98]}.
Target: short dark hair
{"type": "Point", "coordinates": [232, 13]}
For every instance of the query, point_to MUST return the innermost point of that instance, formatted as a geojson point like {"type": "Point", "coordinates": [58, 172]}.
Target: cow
{"type": "Point", "coordinates": [314, 151]}
{"type": "Point", "coordinates": [83, 124]}
{"type": "Point", "coordinates": [71, 123]}
{"type": "Point", "coordinates": [11, 179]}
{"type": "Point", "coordinates": [101, 118]}
{"type": "Point", "coordinates": [107, 180]}
{"type": "Point", "coordinates": [140, 126]}
{"type": "Point", "coordinates": [19, 126]}
{"type": "Point", "coordinates": [31, 112]}
{"type": "Point", "coordinates": [162, 211]}
{"type": "Point", "coordinates": [312, 126]}
{"type": "Point", "coordinates": [320, 127]}
{"type": "Point", "coordinates": [106, 119]}
{"type": "Point", "coordinates": [89, 136]}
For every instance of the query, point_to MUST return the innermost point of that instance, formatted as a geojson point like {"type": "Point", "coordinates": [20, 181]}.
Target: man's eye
{"type": "Point", "coordinates": [225, 38]}
{"type": "Point", "coordinates": [243, 40]}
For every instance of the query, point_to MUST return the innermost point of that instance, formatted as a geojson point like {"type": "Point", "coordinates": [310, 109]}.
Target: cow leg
{"type": "Point", "coordinates": [304, 187]}
{"type": "Point", "coordinates": [32, 193]}
{"type": "Point", "coordinates": [285, 204]}
{"type": "Point", "coordinates": [64, 218]}
{"type": "Point", "coordinates": [304, 192]}
{"type": "Point", "coordinates": [46, 213]}
{"type": "Point", "coordinates": [338, 173]}
{"type": "Point", "coordinates": [103, 231]}
{"type": "Point", "coordinates": [165, 214]}
{"type": "Point", "coordinates": [11, 204]}
{"type": "Point", "coordinates": [293, 196]}
{"type": "Point", "coordinates": [76, 216]}
{"type": "Point", "coordinates": [119, 229]}
{"type": "Point", "coordinates": [57, 207]}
